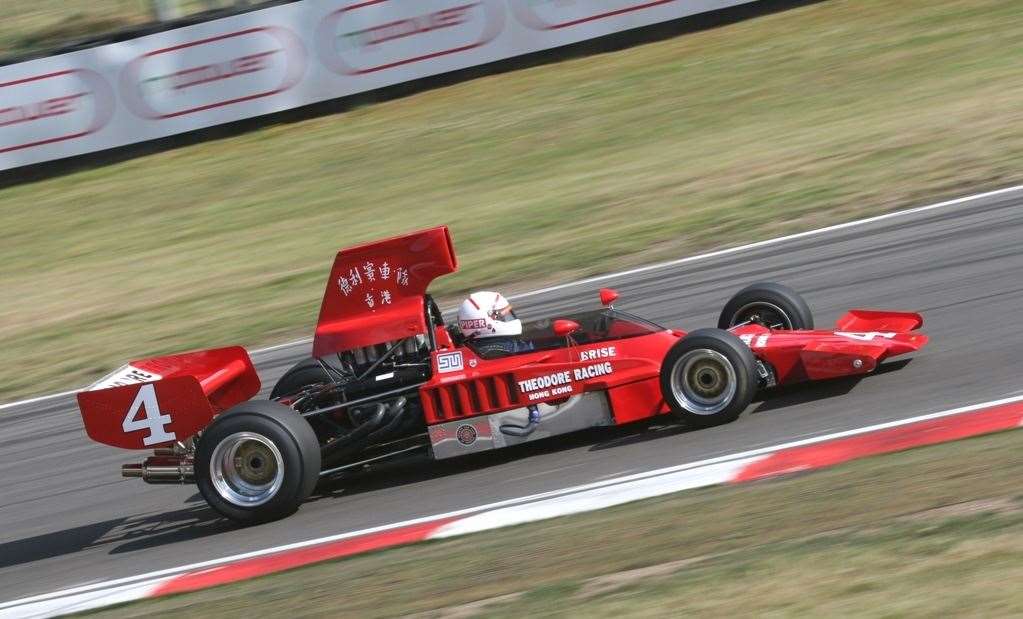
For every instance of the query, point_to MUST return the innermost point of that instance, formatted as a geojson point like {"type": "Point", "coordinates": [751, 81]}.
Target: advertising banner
{"type": "Point", "coordinates": [281, 58]}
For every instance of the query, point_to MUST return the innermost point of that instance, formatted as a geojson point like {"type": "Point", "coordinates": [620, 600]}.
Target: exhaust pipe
{"type": "Point", "coordinates": [162, 470]}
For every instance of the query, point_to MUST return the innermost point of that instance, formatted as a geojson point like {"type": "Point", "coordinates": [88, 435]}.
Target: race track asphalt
{"type": "Point", "coordinates": [67, 518]}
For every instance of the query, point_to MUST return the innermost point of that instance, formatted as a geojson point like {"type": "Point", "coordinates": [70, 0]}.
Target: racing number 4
{"type": "Point", "coordinates": [153, 420]}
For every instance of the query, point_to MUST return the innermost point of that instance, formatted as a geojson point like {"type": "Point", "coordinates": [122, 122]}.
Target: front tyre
{"type": "Point", "coordinates": [768, 304]}
{"type": "Point", "coordinates": [257, 462]}
{"type": "Point", "coordinates": [708, 378]}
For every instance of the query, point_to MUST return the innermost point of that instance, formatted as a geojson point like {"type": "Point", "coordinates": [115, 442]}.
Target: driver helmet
{"type": "Point", "coordinates": [488, 314]}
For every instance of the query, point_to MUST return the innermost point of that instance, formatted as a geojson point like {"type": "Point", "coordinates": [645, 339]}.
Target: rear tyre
{"type": "Point", "coordinates": [708, 378]}
{"type": "Point", "coordinates": [257, 462]}
{"type": "Point", "coordinates": [768, 304]}
{"type": "Point", "coordinates": [301, 375]}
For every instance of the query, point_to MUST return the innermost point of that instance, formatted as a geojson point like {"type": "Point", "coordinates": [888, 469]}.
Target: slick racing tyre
{"type": "Point", "coordinates": [768, 304]}
{"type": "Point", "coordinates": [708, 378]}
{"type": "Point", "coordinates": [301, 375]}
{"type": "Point", "coordinates": [257, 462]}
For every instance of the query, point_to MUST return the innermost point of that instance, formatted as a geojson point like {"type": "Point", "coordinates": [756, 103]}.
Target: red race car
{"type": "Point", "coordinates": [389, 377]}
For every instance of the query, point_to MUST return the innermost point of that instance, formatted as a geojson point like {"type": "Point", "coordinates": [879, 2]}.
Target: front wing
{"type": "Point", "coordinates": [860, 341]}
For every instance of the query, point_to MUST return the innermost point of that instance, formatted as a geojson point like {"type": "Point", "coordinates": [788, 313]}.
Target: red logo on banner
{"type": "Point", "coordinates": [44, 109]}
{"type": "Point", "coordinates": [381, 34]}
{"type": "Point", "coordinates": [557, 14]}
{"type": "Point", "coordinates": [214, 72]}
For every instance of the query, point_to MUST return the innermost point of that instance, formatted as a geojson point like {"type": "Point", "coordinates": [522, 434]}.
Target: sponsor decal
{"type": "Point", "coordinates": [466, 434]}
{"type": "Point", "coordinates": [375, 284]}
{"type": "Point", "coordinates": [127, 375]}
{"type": "Point", "coordinates": [561, 383]}
{"type": "Point", "coordinates": [450, 362]}
{"type": "Point", "coordinates": [472, 323]}
{"type": "Point", "coordinates": [557, 14]}
{"type": "Point", "coordinates": [54, 107]}
{"type": "Point", "coordinates": [598, 353]}
{"type": "Point", "coordinates": [376, 35]}
{"type": "Point", "coordinates": [545, 381]}
{"type": "Point", "coordinates": [214, 72]}
{"type": "Point", "coordinates": [593, 371]}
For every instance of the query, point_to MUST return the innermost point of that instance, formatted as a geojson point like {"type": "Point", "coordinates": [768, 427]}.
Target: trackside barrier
{"type": "Point", "coordinates": [280, 58]}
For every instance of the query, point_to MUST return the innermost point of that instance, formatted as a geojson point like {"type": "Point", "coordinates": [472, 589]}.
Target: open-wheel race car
{"type": "Point", "coordinates": [388, 377]}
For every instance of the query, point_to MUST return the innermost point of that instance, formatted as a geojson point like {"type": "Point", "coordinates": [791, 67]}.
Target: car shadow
{"type": "Point", "coordinates": [197, 521]}
{"type": "Point", "coordinates": [121, 535]}
{"type": "Point", "coordinates": [805, 393]}
{"type": "Point", "coordinates": [194, 520]}
{"type": "Point", "coordinates": [766, 401]}
{"type": "Point", "coordinates": [664, 427]}
{"type": "Point", "coordinates": [892, 366]}
{"type": "Point", "coordinates": [421, 468]}
{"type": "Point", "coordinates": [785, 397]}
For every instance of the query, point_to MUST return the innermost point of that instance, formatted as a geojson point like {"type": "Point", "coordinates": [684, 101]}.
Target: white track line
{"type": "Point", "coordinates": [41, 398]}
{"type": "Point", "coordinates": [774, 241]}
{"type": "Point", "coordinates": [260, 351]}
{"type": "Point", "coordinates": [62, 394]}
{"type": "Point", "coordinates": [661, 265]}
{"type": "Point", "coordinates": [520, 501]}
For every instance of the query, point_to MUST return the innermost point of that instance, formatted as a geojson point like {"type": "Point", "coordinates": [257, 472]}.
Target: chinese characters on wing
{"type": "Point", "coordinates": [371, 275]}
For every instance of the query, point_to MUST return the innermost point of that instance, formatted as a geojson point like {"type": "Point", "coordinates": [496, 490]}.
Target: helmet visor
{"type": "Point", "coordinates": [505, 314]}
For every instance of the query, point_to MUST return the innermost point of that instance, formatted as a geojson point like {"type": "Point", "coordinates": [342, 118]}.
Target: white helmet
{"type": "Point", "coordinates": [487, 314]}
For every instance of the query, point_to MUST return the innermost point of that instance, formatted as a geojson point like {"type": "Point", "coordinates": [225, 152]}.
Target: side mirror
{"type": "Point", "coordinates": [608, 296]}
{"type": "Point", "coordinates": [565, 328]}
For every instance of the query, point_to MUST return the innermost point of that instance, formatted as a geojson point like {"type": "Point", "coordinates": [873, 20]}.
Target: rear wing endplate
{"type": "Point", "coordinates": [158, 401]}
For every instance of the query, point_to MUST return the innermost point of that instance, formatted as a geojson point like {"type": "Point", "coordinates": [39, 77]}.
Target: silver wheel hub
{"type": "Point", "coordinates": [703, 381]}
{"type": "Point", "coordinates": [247, 469]}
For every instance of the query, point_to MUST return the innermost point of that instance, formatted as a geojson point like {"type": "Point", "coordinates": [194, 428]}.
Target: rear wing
{"type": "Point", "coordinates": [158, 401]}
{"type": "Point", "coordinates": [375, 292]}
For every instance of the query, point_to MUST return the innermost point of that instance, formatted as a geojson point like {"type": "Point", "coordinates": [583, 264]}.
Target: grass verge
{"type": "Point", "coordinates": [934, 531]}
{"type": "Point", "coordinates": [785, 122]}
{"type": "Point", "coordinates": [33, 25]}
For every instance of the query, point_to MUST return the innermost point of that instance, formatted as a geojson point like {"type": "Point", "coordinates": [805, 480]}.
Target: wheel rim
{"type": "Point", "coordinates": [247, 469]}
{"type": "Point", "coordinates": [703, 381]}
{"type": "Point", "coordinates": [764, 314]}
